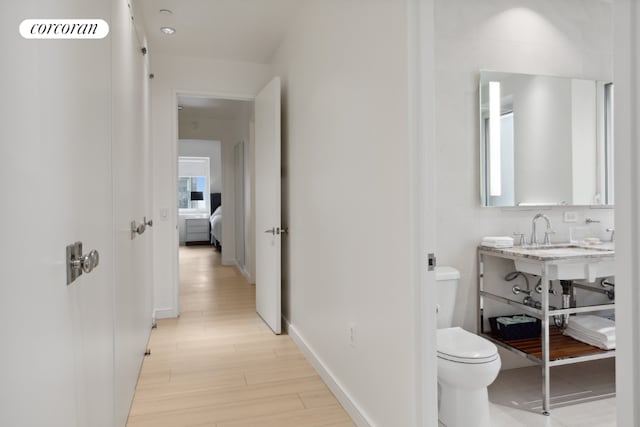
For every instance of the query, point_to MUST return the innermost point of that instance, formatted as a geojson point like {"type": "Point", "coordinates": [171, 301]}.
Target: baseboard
{"type": "Point", "coordinates": [357, 414]}
{"type": "Point", "coordinates": [164, 313]}
{"type": "Point", "coordinates": [244, 273]}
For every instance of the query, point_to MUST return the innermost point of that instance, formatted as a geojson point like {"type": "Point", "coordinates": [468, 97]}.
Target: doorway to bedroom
{"type": "Point", "coordinates": [214, 199]}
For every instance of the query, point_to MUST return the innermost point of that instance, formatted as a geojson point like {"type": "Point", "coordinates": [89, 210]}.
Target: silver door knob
{"type": "Point", "coordinates": [77, 263]}
{"type": "Point", "coordinates": [86, 262]}
{"type": "Point", "coordinates": [137, 228]}
{"type": "Point", "coordinates": [94, 260]}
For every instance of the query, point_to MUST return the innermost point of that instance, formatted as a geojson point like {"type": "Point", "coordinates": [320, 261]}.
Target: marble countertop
{"type": "Point", "coordinates": [556, 252]}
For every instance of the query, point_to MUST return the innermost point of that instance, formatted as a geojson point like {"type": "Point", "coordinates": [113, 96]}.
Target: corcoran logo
{"type": "Point", "coordinates": [64, 29]}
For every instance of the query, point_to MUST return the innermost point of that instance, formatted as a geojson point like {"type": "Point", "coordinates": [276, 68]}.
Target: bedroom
{"type": "Point", "coordinates": [213, 150]}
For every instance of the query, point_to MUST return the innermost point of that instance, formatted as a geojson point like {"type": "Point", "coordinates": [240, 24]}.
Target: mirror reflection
{"type": "Point", "coordinates": [545, 140]}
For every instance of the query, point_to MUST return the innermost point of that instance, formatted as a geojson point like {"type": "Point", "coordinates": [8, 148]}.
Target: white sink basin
{"type": "Point", "coordinates": [566, 262]}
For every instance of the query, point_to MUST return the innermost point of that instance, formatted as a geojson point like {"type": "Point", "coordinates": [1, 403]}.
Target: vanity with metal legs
{"type": "Point", "coordinates": [576, 267]}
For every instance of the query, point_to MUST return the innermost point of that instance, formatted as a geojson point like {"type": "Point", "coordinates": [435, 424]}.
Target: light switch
{"type": "Point", "coordinates": [570, 216]}
{"type": "Point", "coordinates": [164, 213]}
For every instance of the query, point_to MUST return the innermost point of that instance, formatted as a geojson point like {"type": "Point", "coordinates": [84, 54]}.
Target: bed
{"type": "Point", "coordinates": [216, 221]}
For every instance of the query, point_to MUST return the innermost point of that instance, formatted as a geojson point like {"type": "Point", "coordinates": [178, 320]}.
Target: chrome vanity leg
{"type": "Point", "coordinates": [546, 390]}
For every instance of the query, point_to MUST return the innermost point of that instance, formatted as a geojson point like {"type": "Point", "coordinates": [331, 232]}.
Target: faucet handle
{"type": "Point", "coordinates": [613, 233]}
{"type": "Point", "coordinates": [547, 236]}
{"type": "Point", "coordinates": [521, 241]}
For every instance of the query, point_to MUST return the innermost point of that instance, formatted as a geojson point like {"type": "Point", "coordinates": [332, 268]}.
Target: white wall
{"type": "Point", "coordinates": [185, 75]}
{"type": "Point", "coordinates": [346, 198]}
{"type": "Point", "coordinates": [569, 38]}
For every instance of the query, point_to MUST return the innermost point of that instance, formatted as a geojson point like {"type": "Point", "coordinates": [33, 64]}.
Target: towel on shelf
{"type": "Point", "coordinates": [605, 345]}
{"type": "Point", "coordinates": [594, 330]}
{"type": "Point", "coordinates": [497, 241]}
{"type": "Point", "coordinates": [598, 326]}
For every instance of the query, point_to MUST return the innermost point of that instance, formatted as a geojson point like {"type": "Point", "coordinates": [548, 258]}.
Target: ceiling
{"type": "Point", "coordinates": [222, 109]}
{"type": "Point", "coordinates": [233, 30]}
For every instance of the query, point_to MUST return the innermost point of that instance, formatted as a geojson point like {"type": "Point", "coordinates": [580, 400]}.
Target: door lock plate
{"type": "Point", "coordinates": [431, 262]}
{"type": "Point", "coordinates": [74, 253]}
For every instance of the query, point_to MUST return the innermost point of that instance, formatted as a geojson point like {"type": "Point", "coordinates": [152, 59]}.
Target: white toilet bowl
{"type": "Point", "coordinates": [467, 364]}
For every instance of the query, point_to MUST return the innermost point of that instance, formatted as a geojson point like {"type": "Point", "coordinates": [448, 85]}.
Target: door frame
{"type": "Point", "coordinates": [422, 146]}
{"type": "Point", "coordinates": [175, 256]}
{"type": "Point", "coordinates": [627, 198]}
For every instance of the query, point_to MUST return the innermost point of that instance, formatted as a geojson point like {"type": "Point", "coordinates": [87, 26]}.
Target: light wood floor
{"type": "Point", "coordinates": [218, 365]}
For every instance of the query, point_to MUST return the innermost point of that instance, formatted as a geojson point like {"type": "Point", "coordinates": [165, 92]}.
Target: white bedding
{"type": "Point", "coordinates": [216, 225]}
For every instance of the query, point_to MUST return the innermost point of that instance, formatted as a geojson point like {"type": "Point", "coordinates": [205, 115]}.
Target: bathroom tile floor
{"type": "Point", "coordinates": [582, 395]}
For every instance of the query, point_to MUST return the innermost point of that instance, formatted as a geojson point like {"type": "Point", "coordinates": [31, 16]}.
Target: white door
{"type": "Point", "coordinates": [267, 210]}
{"type": "Point", "coordinates": [56, 362]}
{"type": "Point", "coordinates": [132, 286]}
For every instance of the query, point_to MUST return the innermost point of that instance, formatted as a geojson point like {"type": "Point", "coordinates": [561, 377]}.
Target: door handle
{"type": "Point", "coordinates": [277, 230]}
{"type": "Point", "coordinates": [273, 231]}
{"type": "Point", "coordinates": [140, 228]}
{"type": "Point", "coordinates": [77, 263]}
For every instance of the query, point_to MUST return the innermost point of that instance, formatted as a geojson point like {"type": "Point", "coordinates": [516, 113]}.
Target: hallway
{"type": "Point", "coordinates": [219, 365]}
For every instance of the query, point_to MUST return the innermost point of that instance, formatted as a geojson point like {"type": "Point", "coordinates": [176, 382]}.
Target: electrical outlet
{"type": "Point", "coordinates": [352, 335]}
{"type": "Point", "coordinates": [570, 216]}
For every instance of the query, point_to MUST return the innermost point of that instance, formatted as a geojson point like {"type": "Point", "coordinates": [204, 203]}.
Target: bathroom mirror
{"type": "Point", "coordinates": [545, 140]}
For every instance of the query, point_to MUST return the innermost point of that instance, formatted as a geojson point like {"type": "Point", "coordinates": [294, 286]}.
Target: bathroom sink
{"type": "Point", "coordinates": [565, 261]}
{"type": "Point", "coordinates": [569, 250]}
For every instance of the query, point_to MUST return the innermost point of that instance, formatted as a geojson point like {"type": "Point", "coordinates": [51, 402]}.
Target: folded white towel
{"type": "Point", "coordinates": [597, 326]}
{"type": "Point", "coordinates": [605, 345]}
{"type": "Point", "coordinates": [497, 241]}
{"type": "Point", "coordinates": [592, 336]}
{"type": "Point", "coordinates": [593, 330]}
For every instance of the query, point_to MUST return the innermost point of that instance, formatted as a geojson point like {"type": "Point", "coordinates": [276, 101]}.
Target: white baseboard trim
{"type": "Point", "coordinates": [164, 313]}
{"type": "Point", "coordinates": [357, 414]}
{"type": "Point", "coordinates": [244, 273]}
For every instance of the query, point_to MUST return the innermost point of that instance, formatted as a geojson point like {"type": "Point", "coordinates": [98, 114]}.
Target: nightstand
{"type": "Point", "coordinates": [197, 230]}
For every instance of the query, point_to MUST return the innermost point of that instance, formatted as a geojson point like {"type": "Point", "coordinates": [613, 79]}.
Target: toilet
{"type": "Point", "coordinates": [467, 363]}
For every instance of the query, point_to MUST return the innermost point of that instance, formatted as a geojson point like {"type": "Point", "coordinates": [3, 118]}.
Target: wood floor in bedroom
{"type": "Point", "coordinates": [218, 365]}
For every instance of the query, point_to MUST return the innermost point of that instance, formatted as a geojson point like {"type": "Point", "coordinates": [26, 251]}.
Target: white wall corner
{"type": "Point", "coordinates": [356, 413]}
{"type": "Point", "coordinates": [164, 313]}
{"type": "Point", "coordinates": [229, 262]}
{"type": "Point", "coordinates": [245, 274]}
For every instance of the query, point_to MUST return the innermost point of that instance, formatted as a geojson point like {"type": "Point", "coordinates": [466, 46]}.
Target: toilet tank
{"type": "Point", "coordinates": [447, 279]}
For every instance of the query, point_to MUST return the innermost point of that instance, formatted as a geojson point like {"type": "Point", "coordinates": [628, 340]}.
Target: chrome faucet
{"type": "Point", "coordinates": [547, 234]}
{"type": "Point", "coordinates": [613, 233]}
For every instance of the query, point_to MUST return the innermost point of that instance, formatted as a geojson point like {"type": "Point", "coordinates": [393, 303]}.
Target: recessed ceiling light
{"type": "Point", "coordinates": [165, 11]}
{"type": "Point", "coordinates": [168, 30]}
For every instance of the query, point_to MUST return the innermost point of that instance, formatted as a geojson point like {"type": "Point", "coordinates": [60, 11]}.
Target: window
{"type": "Point", "coordinates": [193, 184]}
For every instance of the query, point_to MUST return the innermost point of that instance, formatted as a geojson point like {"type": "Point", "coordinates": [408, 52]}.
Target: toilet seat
{"type": "Point", "coordinates": [460, 346]}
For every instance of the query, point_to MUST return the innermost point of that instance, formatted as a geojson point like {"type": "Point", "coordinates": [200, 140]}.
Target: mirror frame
{"type": "Point", "coordinates": [604, 119]}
